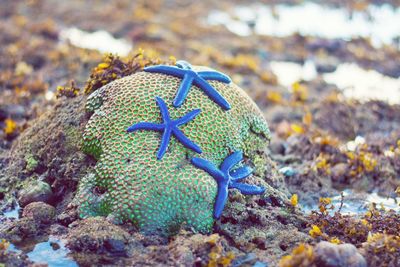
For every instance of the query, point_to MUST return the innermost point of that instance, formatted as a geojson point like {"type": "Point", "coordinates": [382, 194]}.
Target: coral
{"type": "Point", "coordinates": [168, 127]}
{"type": "Point", "coordinates": [227, 178]}
{"type": "Point", "coordinates": [130, 184]}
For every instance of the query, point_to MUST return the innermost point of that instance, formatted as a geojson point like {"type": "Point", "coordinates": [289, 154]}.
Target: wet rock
{"type": "Point", "coordinates": [98, 235]}
{"type": "Point", "coordinates": [115, 246]}
{"type": "Point", "coordinates": [67, 217]}
{"type": "Point", "coordinates": [51, 144]}
{"type": "Point", "coordinates": [40, 212]}
{"type": "Point", "coordinates": [16, 111]}
{"type": "Point", "coordinates": [339, 171]}
{"type": "Point", "coordinates": [268, 232]}
{"type": "Point", "coordinates": [332, 255]}
{"type": "Point", "coordinates": [338, 119]}
{"type": "Point", "coordinates": [14, 259]}
{"type": "Point", "coordinates": [22, 229]}
{"type": "Point", "coordinates": [249, 259]}
{"type": "Point", "coordinates": [278, 147]}
{"type": "Point", "coordinates": [3, 114]}
{"type": "Point", "coordinates": [329, 45]}
{"type": "Point", "coordinates": [57, 230]}
{"type": "Point", "coordinates": [34, 192]}
{"type": "Point", "coordinates": [288, 171]}
{"type": "Point", "coordinates": [185, 249]}
{"type": "Point", "coordinates": [326, 64]}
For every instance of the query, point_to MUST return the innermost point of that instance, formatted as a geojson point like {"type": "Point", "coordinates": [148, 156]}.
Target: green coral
{"type": "Point", "coordinates": [130, 184]}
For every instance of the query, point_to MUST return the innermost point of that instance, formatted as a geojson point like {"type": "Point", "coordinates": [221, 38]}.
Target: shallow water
{"type": "Point", "coordinates": [354, 81]}
{"type": "Point", "coordinates": [45, 253]}
{"type": "Point", "coordinates": [100, 40]}
{"type": "Point", "coordinates": [290, 72]}
{"type": "Point", "coordinates": [13, 213]}
{"type": "Point", "coordinates": [356, 203]}
{"type": "Point", "coordinates": [380, 23]}
{"type": "Point", "coordinates": [364, 85]}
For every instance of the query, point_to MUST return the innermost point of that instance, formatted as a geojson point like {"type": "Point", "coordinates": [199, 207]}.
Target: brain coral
{"type": "Point", "coordinates": [130, 184]}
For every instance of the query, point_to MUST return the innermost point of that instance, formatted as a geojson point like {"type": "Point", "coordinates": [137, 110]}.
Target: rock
{"type": "Point", "coordinates": [115, 246]}
{"type": "Point", "coordinates": [185, 249]}
{"type": "Point", "coordinates": [67, 217]}
{"type": "Point", "coordinates": [3, 114]}
{"type": "Point", "coordinates": [332, 255]}
{"type": "Point", "coordinates": [339, 171]}
{"type": "Point", "coordinates": [24, 228]}
{"type": "Point", "coordinates": [326, 64]}
{"type": "Point", "coordinates": [12, 258]}
{"type": "Point", "coordinates": [40, 212]}
{"type": "Point", "coordinates": [16, 111]}
{"type": "Point", "coordinates": [278, 147]}
{"type": "Point", "coordinates": [58, 229]}
{"type": "Point", "coordinates": [34, 192]}
{"type": "Point", "coordinates": [99, 236]}
{"type": "Point", "coordinates": [288, 171]}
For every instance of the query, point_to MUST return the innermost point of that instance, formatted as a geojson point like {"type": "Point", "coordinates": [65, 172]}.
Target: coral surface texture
{"type": "Point", "coordinates": [163, 194]}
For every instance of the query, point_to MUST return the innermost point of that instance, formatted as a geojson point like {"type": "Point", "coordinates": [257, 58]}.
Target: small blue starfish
{"type": "Point", "coordinates": [168, 127]}
{"type": "Point", "coordinates": [227, 178]}
{"type": "Point", "coordinates": [184, 71]}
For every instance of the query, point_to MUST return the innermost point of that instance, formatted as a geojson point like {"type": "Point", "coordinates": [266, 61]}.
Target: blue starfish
{"type": "Point", "coordinates": [168, 127]}
{"type": "Point", "coordinates": [227, 178]}
{"type": "Point", "coordinates": [189, 76]}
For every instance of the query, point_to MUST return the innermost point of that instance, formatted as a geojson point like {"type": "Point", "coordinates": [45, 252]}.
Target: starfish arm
{"type": "Point", "coordinates": [248, 189]}
{"type": "Point", "coordinates": [164, 143]}
{"type": "Point", "coordinates": [183, 65]}
{"type": "Point", "coordinates": [211, 92]}
{"type": "Point", "coordinates": [188, 117]}
{"type": "Point", "coordinates": [169, 70]}
{"type": "Point", "coordinates": [241, 173]}
{"type": "Point", "coordinates": [145, 126]}
{"type": "Point", "coordinates": [214, 75]}
{"type": "Point", "coordinates": [220, 201]}
{"type": "Point", "coordinates": [231, 161]}
{"type": "Point", "coordinates": [163, 109]}
{"type": "Point", "coordinates": [208, 167]}
{"type": "Point", "coordinates": [183, 90]}
{"type": "Point", "coordinates": [186, 141]}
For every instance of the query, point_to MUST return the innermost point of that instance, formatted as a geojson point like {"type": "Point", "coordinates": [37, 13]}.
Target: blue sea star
{"type": "Point", "coordinates": [227, 178]}
{"type": "Point", "coordinates": [184, 71]}
{"type": "Point", "coordinates": [168, 127]}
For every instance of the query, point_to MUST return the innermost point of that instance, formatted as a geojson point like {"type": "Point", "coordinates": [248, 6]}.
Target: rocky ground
{"type": "Point", "coordinates": [322, 142]}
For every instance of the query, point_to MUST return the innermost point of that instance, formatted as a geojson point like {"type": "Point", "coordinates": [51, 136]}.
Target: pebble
{"type": "Point", "coordinates": [40, 212]}
{"type": "Point", "coordinates": [34, 192]}
{"type": "Point", "coordinates": [333, 255]}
